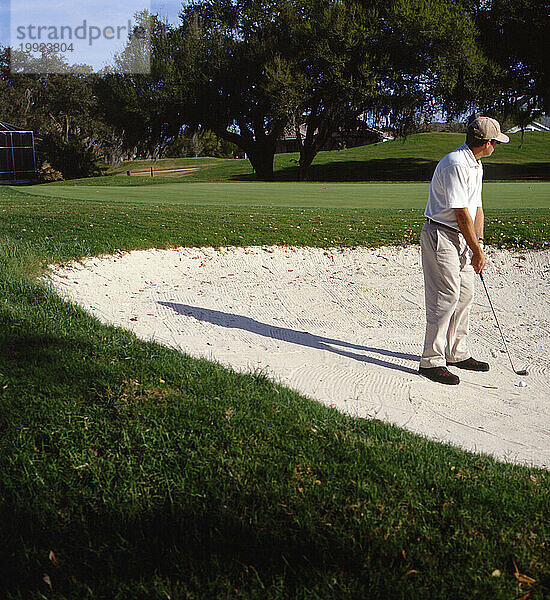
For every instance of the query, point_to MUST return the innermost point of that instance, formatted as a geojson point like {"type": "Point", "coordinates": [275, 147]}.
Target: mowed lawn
{"type": "Point", "coordinates": [107, 218]}
{"type": "Point", "coordinates": [131, 471]}
{"type": "Point", "coordinates": [298, 195]}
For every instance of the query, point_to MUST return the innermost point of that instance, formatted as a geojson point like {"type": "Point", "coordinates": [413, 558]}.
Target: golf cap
{"type": "Point", "coordinates": [486, 128]}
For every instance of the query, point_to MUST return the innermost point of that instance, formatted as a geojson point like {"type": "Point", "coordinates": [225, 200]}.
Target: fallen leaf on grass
{"type": "Point", "coordinates": [46, 579]}
{"type": "Point", "coordinates": [523, 578]}
{"type": "Point", "coordinates": [53, 558]}
{"type": "Point", "coordinates": [524, 597]}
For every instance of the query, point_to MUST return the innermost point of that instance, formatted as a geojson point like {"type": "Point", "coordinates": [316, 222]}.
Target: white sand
{"type": "Point", "coordinates": [344, 327]}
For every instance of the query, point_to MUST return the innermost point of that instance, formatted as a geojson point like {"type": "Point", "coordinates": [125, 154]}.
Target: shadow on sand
{"type": "Point", "coordinates": [302, 338]}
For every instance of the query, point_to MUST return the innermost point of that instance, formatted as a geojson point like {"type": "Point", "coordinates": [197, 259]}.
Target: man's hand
{"type": "Point", "coordinates": [478, 261]}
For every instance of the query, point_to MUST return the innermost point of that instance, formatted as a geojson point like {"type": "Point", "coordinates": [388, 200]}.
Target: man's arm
{"type": "Point", "coordinates": [468, 230]}
{"type": "Point", "coordinates": [479, 222]}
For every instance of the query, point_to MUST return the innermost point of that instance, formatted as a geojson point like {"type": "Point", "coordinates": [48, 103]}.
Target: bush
{"type": "Point", "coordinates": [47, 173]}
{"type": "Point", "coordinates": [69, 157]}
{"type": "Point", "coordinates": [201, 144]}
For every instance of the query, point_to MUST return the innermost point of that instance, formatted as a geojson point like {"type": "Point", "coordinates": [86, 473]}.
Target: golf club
{"type": "Point", "coordinates": [521, 371]}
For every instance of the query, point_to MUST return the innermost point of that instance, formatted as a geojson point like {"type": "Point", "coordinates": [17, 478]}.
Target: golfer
{"type": "Point", "coordinates": [451, 243]}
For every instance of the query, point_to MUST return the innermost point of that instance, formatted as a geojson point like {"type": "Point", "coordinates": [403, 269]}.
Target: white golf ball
{"type": "Point", "coordinates": [522, 384]}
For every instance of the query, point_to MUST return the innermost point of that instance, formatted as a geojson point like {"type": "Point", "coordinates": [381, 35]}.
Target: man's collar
{"type": "Point", "coordinates": [472, 160]}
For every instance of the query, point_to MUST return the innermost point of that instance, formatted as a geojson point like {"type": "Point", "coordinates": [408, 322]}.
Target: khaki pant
{"type": "Point", "coordinates": [449, 292]}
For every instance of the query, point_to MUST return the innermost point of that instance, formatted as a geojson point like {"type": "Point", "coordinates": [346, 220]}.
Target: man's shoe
{"type": "Point", "coordinates": [439, 374]}
{"type": "Point", "coordinates": [470, 364]}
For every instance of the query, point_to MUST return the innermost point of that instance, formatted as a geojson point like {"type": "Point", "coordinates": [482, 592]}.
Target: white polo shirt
{"type": "Point", "coordinates": [456, 183]}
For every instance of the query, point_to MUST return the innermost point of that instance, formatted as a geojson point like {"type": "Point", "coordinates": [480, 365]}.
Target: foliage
{"type": "Point", "coordinates": [137, 105]}
{"type": "Point", "coordinates": [69, 156]}
{"type": "Point", "coordinates": [62, 110]}
{"type": "Point", "coordinates": [249, 72]}
{"type": "Point", "coordinates": [46, 173]}
{"type": "Point", "coordinates": [259, 69]}
{"type": "Point", "coordinates": [203, 143]}
{"type": "Point", "coordinates": [432, 61]}
{"type": "Point", "coordinates": [514, 35]}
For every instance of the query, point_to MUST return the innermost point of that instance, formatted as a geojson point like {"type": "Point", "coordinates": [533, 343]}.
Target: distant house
{"type": "Point", "coordinates": [349, 137]}
{"type": "Point", "coordinates": [542, 124]}
{"type": "Point", "coordinates": [17, 156]}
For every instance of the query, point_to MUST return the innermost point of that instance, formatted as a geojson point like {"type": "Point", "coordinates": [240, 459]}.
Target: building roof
{"type": "Point", "coordinates": [542, 124]}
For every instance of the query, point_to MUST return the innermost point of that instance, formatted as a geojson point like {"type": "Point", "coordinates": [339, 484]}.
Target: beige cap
{"type": "Point", "coordinates": [486, 128]}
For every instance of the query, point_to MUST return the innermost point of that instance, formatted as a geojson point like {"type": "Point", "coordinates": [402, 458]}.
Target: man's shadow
{"type": "Point", "coordinates": [303, 338]}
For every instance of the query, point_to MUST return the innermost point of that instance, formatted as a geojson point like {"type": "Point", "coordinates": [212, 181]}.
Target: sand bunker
{"type": "Point", "coordinates": [344, 327]}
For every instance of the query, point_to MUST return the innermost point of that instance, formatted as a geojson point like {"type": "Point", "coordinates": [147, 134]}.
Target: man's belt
{"type": "Point", "coordinates": [442, 225]}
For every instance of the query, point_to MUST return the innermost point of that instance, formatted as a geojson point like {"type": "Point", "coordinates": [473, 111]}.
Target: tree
{"type": "Point", "coordinates": [62, 110]}
{"type": "Point", "coordinates": [225, 50]}
{"type": "Point", "coordinates": [332, 75]}
{"type": "Point", "coordinates": [514, 35]}
{"type": "Point", "coordinates": [258, 67]}
{"type": "Point", "coordinates": [140, 106]}
{"type": "Point", "coordinates": [431, 62]}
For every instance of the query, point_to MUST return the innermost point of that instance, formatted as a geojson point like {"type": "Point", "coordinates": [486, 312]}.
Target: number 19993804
{"type": "Point", "coordinates": [46, 47]}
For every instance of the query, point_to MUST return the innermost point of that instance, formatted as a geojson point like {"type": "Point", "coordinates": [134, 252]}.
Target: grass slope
{"type": "Point", "coordinates": [128, 470]}
{"type": "Point", "coordinates": [405, 159]}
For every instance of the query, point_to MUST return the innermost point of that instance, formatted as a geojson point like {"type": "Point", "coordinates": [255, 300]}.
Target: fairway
{"type": "Point", "coordinates": [299, 195]}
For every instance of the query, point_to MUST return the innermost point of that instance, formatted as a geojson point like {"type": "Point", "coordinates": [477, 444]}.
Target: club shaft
{"type": "Point", "coordinates": [496, 319]}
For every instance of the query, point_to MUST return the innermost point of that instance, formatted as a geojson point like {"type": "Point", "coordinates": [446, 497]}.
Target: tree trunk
{"type": "Point", "coordinates": [306, 158]}
{"type": "Point", "coordinates": [261, 159]}
{"type": "Point", "coordinates": [311, 146]}
{"type": "Point", "coordinates": [260, 154]}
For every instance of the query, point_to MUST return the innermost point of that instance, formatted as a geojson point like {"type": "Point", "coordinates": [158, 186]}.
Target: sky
{"type": "Point", "coordinates": [20, 20]}
{"type": "Point", "coordinates": [167, 8]}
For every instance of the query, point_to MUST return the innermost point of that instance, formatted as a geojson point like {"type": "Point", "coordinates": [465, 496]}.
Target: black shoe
{"type": "Point", "coordinates": [470, 364]}
{"type": "Point", "coordinates": [439, 374]}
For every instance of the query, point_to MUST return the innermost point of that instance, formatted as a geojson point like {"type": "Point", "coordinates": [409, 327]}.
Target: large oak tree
{"type": "Point", "coordinates": [255, 68]}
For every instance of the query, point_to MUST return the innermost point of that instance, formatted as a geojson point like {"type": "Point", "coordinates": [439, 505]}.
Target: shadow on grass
{"type": "Point", "coordinates": [37, 358]}
{"type": "Point", "coordinates": [302, 338]}
{"type": "Point", "coordinates": [203, 543]}
{"type": "Point", "coordinates": [401, 169]}
{"type": "Point", "coordinates": [209, 530]}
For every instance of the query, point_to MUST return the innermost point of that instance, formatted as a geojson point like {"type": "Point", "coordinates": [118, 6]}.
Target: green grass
{"type": "Point", "coordinates": [149, 474]}
{"type": "Point", "coordinates": [298, 195]}
{"type": "Point", "coordinates": [162, 164]}
{"type": "Point", "coordinates": [405, 159]}
{"type": "Point", "coordinates": [104, 219]}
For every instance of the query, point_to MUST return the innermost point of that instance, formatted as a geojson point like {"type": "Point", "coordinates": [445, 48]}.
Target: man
{"type": "Point", "coordinates": [451, 242]}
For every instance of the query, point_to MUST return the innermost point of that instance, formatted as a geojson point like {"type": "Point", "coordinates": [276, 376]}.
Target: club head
{"type": "Point", "coordinates": [523, 372]}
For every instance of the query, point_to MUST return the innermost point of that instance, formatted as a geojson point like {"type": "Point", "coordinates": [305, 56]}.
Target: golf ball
{"type": "Point", "coordinates": [522, 384]}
